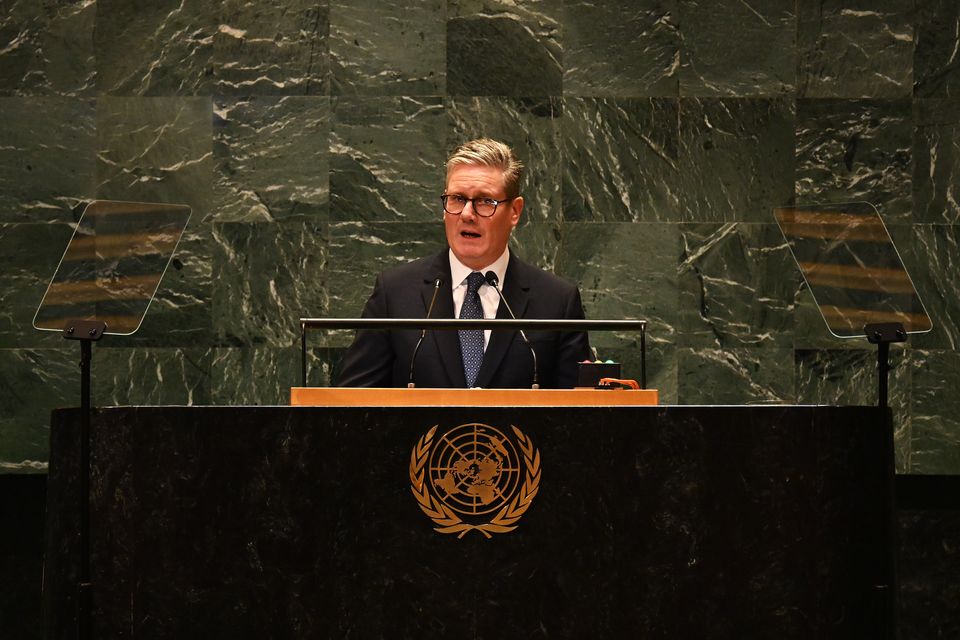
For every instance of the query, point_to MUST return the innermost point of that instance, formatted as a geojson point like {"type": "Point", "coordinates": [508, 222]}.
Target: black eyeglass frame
{"type": "Point", "coordinates": [473, 202]}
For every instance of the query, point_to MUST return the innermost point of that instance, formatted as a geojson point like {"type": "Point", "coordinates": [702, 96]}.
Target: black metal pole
{"type": "Point", "coordinates": [643, 357]}
{"type": "Point", "coordinates": [86, 331]}
{"type": "Point", "coordinates": [84, 595]}
{"type": "Point", "coordinates": [303, 354]}
{"type": "Point", "coordinates": [883, 370]}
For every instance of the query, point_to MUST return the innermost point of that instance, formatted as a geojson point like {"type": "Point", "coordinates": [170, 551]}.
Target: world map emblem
{"type": "Point", "coordinates": [473, 477]}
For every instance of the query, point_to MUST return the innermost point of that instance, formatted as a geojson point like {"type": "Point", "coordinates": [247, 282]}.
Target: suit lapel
{"type": "Point", "coordinates": [446, 341]}
{"type": "Point", "coordinates": [517, 293]}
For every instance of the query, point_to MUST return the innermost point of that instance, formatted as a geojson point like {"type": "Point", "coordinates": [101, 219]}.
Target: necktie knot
{"type": "Point", "coordinates": [474, 282]}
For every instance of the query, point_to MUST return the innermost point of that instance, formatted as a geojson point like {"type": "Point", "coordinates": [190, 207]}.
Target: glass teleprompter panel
{"type": "Point", "coordinates": [852, 267]}
{"type": "Point", "coordinates": [113, 265]}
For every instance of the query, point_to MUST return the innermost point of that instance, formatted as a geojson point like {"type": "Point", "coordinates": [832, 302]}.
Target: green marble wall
{"type": "Point", "coordinates": [309, 138]}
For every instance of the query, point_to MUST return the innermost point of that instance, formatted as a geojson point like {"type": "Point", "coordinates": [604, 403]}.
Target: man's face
{"type": "Point", "coordinates": [478, 241]}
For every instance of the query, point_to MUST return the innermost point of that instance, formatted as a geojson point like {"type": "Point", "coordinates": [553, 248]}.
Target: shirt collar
{"type": "Point", "coordinates": [459, 271]}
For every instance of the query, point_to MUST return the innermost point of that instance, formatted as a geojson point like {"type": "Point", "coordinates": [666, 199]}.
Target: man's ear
{"type": "Point", "coordinates": [516, 209]}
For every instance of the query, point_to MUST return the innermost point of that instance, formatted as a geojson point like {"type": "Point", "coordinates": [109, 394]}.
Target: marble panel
{"type": "Point", "coordinates": [47, 48]}
{"type": "Point", "coordinates": [29, 255]}
{"type": "Point", "coordinates": [936, 63]}
{"type": "Point", "coordinates": [855, 150]}
{"type": "Point", "coordinates": [160, 150]}
{"type": "Point", "coordinates": [621, 48]}
{"type": "Point", "coordinates": [268, 276]}
{"type": "Point", "coordinates": [736, 287]}
{"type": "Point", "coordinates": [933, 261]}
{"type": "Point", "coordinates": [847, 377]}
{"type": "Point", "coordinates": [388, 47]}
{"type": "Point", "coordinates": [504, 48]}
{"type": "Point", "coordinates": [936, 161]}
{"type": "Point", "coordinates": [33, 382]}
{"type": "Point", "coordinates": [624, 271]}
{"type": "Point", "coordinates": [736, 158]}
{"type": "Point", "coordinates": [271, 48]}
{"type": "Point", "coordinates": [156, 150]}
{"type": "Point", "coordinates": [762, 375]}
{"type": "Point", "coordinates": [621, 160]}
{"type": "Point", "coordinates": [858, 49]}
{"type": "Point", "coordinates": [164, 47]}
{"type": "Point", "coordinates": [935, 434]}
{"type": "Point", "coordinates": [161, 376]}
{"type": "Point", "coordinates": [387, 159]}
{"type": "Point", "coordinates": [272, 157]}
{"type": "Point", "coordinates": [540, 244]}
{"type": "Point", "coordinates": [358, 252]}
{"type": "Point", "coordinates": [531, 126]}
{"type": "Point", "coordinates": [263, 375]}
{"type": "Point", "coordinates": [737, 48]}
{"type": "Point", "coordinates": [47, 157]}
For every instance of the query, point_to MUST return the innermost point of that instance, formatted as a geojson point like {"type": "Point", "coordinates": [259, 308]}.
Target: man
{"type": "Point", "coordinates": [482, 204]}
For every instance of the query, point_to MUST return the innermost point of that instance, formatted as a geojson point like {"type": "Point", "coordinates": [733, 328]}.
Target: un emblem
{"type": "Point", "coordinates": [474, 478]}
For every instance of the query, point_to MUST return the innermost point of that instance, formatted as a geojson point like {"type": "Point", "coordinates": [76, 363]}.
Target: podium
{"type": "Point", "coordinates": [648, 521]}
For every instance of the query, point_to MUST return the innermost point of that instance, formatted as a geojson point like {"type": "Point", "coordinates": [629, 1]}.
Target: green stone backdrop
{"type": "Point", "coordinates": [309, 138]}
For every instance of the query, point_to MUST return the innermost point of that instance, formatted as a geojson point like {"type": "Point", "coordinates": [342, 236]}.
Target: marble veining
{"type": "Point", "coordinates": [622, 48]}
{"type": "Point", "coordinates": [268, 276]}
{"type": "Point", "coordinates": [388, 48]}
{"type": "Point", "coordinates": [270, 48]}
{"type": "Point", "coordinates": [47, 49]}
{"type": "Point", "coordinates": [621, 160]}
{"type": "Point", "coordinates": [936, 156]}
{"type": "Point", "coordinates": [936, 65]}
{"type": "Point", "coordinates": [855, 150]}
{"type": "Point", "coordinates": [270, 160]}
{"type": "Point", "coordinates": [858, 51]}
{"type": "Point", "coordinates": [735, 286]}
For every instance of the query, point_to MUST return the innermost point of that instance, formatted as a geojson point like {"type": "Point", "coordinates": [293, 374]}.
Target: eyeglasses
{"type": "Point", "coordinates": [454, 204]}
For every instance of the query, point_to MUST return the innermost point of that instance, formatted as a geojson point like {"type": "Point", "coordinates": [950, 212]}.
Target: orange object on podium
{"type": "Point", "coordinates": [424, 397]}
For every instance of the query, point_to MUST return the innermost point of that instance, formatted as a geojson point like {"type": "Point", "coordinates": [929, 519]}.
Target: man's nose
{"type": "Point", "coordinates": [468, 210]}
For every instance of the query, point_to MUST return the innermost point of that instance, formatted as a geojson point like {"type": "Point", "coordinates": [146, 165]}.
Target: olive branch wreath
{"type": "Point", "coordinates": [446, 519]}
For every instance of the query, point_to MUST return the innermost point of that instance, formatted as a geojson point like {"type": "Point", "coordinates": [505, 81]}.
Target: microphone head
{"type": "Point", "coordinates": [491, 278]}
{"type": "Point", "coordinates": [437, 282]}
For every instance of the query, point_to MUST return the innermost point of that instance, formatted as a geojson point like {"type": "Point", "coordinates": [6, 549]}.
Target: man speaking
{"type": "Point", "coordinates": [481, 204]}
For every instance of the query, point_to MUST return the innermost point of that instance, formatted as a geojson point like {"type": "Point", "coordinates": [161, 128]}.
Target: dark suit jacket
{"type": "Point", "coordinates": [381, 358]}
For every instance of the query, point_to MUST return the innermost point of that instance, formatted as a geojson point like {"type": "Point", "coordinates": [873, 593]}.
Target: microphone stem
{"type": "Point", "coordinates": [423, 332]}
{"type": "Point", "coordinates": [492, 281]}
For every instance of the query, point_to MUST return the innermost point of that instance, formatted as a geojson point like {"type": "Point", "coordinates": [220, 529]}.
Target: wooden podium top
{"type": "Point", "coordinates": [375, 397]}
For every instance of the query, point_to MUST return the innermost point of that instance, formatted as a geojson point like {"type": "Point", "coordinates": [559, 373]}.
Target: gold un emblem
{"type": "Point", "coordinates": [472, 478]}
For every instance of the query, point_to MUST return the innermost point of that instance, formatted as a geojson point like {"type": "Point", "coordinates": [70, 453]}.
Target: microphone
{"type": "Point", "coordinates": [493, 281]}
{"type": "Point", "coordinates": [423, 332]}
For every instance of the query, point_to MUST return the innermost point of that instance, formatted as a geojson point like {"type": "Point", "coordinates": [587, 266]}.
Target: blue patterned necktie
{"type": "Point", "coordinates": [471, 340]}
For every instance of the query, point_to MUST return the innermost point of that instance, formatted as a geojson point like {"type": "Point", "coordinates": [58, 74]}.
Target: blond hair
{"type": "Point", "coordinates": [490, 153]}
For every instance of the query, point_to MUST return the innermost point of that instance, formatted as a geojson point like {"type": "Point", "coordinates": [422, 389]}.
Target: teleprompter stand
{"type": "Point", "coordinates": [87, 332]}
{"type": "Point", "coordinates": [856, 276]}
{"type": "Point", "coordinates": [882, 334]}
{"type": "Point", "coordinates": [106, 280]}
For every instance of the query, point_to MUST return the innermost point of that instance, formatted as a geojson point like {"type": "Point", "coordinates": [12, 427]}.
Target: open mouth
{"type": "Point", "coordinates": [469, 234]}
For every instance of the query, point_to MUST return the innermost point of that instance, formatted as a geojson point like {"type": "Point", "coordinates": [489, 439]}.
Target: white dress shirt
{"type": "Point", "coordinates": [489, 299]}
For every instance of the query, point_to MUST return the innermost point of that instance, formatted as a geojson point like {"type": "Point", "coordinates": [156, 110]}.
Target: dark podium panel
{"type": "Point", "coordinates": [652, 522]}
